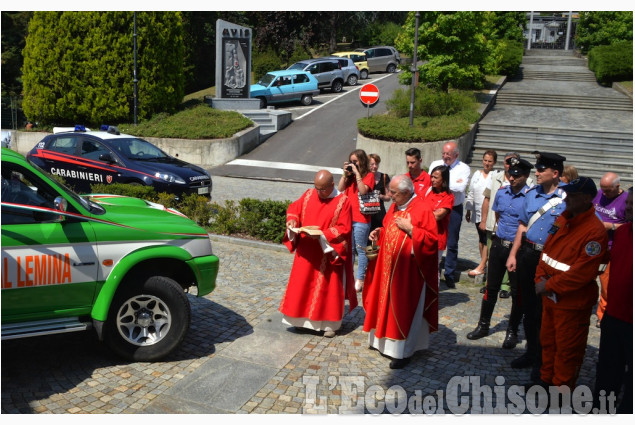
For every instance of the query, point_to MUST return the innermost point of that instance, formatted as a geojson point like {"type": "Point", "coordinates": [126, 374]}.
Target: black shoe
{"type": "Point", "coordinates": [399, 363]}
{"type": "Point", "coordinates": [449, 283]}
{"type": "Point", "coordinates": [503, 294]}
{"type": "Point", "coordinates": [482, 330]}
{"type": "Point", "coordinates": [483, 289]}
{"type": "Point", "coordinates": [523, 361]}
{"type": "Point", "coordinates": [511, 339]}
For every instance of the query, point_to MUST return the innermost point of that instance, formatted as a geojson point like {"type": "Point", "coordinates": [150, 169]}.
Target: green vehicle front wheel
{"type": "Point", "coordinates": [149, 320]}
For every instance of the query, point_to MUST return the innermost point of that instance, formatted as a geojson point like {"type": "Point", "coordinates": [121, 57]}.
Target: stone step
{"type": "Point", "coordinates": [566, 106]}
{"type": "Point", "coordinates": [545, 129]}
{"type": "Point", "coordinates": [576, 102]}
{"type": "Point", "coordinates": [597, 159]}
{"type": "Point", "coordinates": [621, 100]}
{"type": "Point", "coordinates": [556, 76]}
{"type": "Point", "coordinates": [554, 61]}
{"type": "Point", "coordinates": [573, 142]}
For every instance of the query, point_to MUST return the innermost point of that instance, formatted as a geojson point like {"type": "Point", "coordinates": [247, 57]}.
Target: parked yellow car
{"type": "Point", "coordinates": [359, 59]}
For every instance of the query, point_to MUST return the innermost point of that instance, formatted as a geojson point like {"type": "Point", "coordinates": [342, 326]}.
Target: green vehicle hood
{"type": "Point", "coordinates": [134, 215]}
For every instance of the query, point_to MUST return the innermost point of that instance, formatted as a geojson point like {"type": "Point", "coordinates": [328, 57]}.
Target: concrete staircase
{"type": "Point", "coordinates": [269, 120]}
{"type": "Point", "coordinates": [592, 152]}
{"type": "Point", "coordinates": [555, 105]}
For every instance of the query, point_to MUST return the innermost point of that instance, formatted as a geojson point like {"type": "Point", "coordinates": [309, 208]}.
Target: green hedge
{"type": "Point", "coordinates": [429, 102]}
{"type": "Point", "coordinates": [437, 116]}
{"type": "Point", "coordinates": [263, 220]}
{"type": "Point", "coordinates": [613, 62]}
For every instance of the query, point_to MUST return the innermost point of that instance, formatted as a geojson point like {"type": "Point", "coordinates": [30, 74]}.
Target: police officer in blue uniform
{"type": "Point", "coordinates": [508, 203]}
{"type": "Point", "coordinates": [542, 205]}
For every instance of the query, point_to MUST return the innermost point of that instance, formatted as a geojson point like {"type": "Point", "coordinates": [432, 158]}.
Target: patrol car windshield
{"type": "Point", "coordinates": [138, 150]}
{"type": "Point", "coordinates": [91, 206]}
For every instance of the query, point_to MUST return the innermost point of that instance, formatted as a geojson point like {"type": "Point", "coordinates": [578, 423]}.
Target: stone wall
{"type": "Point", "coordinates": [393, 157]}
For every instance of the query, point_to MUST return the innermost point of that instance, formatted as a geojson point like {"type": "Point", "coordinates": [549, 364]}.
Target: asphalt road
{"type": "Point", "coordinates": [321, 135]}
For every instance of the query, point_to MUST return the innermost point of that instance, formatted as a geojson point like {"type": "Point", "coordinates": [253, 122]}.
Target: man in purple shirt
{"type": "Point", "coordinates": [610, 207]}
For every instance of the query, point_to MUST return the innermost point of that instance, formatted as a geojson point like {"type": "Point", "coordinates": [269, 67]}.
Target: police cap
{"type": "Point", "coordinates": [518, 166]}
{"type": "Point", "coordinates": [584, 185]}
{"type": "Point", "coordinates": [549, 160]}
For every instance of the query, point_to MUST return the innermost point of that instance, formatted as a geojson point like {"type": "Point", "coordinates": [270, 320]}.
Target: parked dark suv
{"type": "Point", "coordinates": [327, 71]}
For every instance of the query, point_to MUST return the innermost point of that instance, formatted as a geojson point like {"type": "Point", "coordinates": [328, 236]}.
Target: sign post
{"type": "Point", "coordinates": [369, 95]}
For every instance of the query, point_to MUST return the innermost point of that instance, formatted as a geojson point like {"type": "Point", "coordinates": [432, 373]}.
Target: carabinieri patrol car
{"type": "Point", "coordinates": [83, 158]}
{"type": "Point", "coordinates": [117, 264]}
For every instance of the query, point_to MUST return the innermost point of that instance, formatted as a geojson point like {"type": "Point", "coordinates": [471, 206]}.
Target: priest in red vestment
{"type": "Point", "coordinates": [401, 293]}
{"type": "Point", "coordinates": [319, 229]}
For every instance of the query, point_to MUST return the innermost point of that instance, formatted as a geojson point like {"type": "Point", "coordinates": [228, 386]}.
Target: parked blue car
{"type": "Point", "coordinates": [285, 86]}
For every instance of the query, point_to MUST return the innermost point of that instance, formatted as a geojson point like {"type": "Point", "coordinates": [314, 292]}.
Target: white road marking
{"type": "Point", "coordinates": [283, 165]}
{"type": "Point", "coordinates": [354, 89]}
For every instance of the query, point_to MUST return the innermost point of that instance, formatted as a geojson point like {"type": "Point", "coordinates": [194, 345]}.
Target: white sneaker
{"type": "Point", "coordinates": [359, 284]}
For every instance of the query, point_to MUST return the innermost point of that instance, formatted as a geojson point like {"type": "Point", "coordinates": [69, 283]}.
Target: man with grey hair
{"type": "Point", "coordinates": [459, 178]}
{"type": "Point", "coordinates": [610, 207]}
{"type": "Point", "coordinates": [401, 288]}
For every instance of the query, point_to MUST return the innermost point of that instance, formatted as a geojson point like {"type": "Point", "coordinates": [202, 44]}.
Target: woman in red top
{"type": "Point", "coordinates": [357, 178]}
{"type": "Point", "coordinates": [440, 200]}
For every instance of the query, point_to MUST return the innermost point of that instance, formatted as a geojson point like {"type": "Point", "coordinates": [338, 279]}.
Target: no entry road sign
{"type": "Point", "coordinates": [369, 94]}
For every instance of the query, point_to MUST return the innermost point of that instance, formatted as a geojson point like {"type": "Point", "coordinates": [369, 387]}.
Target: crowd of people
{"type": "Point", "coordinates": [542, 242]}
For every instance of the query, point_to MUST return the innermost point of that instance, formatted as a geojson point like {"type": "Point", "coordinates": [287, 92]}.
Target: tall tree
{"type": "Point", "coordinates": [600, 28]}
{"type": "Point", "coordinates": [78, 66]}
{"type": "Point", "coordinates": [14, 25]}
{"type": "Point", "coordinates": [453, 46]}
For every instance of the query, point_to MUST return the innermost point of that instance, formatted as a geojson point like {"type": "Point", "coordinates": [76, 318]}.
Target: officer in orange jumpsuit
{"type": "Point", "coordinates": [575, 253]}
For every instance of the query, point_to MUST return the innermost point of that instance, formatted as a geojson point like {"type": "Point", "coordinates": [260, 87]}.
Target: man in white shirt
{"type": "Point", "coordinates": [459, 178]}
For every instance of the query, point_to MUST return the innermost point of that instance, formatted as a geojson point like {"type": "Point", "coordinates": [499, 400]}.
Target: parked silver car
{"type": "Point", "coordinates": [382, 59]}
{"type": "Point", "coordinates": [349, 69]}
{"type": "Point", "coordinates": [326, 70]}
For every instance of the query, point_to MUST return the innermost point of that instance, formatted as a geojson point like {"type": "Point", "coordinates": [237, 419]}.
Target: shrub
{"type": "Point", "coordinates": [264, 220]}
{"type": "Point", "coordinates": [224, 219]}
{"type": "Point", "coordinates": [199, 122]}
{"type": "Point", "coordinates": [123, 189]}
{"type": "Point", "coordinates": [613, 62]}
{"type": "Point", "coordinates": [424, 129]}
{"type": "Point", "coordinates": [505, 57]}
{"type": "Point", "coordinates": [429, 102]}
{"type": "Point", "coordinates": [264, 62]}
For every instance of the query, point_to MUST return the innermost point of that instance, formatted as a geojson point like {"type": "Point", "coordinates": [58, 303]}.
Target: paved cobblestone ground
{"type": "Point", "coordinates": [74, 373]}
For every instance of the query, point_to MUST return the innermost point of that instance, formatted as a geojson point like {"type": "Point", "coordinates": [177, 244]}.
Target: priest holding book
{"type": "Point", "coordinates": [319, 228]}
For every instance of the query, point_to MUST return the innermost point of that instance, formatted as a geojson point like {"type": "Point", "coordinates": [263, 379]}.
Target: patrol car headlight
{"type": "Point", "coordinates": [170, 178]}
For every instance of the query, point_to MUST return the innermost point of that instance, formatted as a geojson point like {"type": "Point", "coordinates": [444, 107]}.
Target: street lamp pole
{"type": "Point", "coordinates": [134, 47]}
{"type": "Point", "coordinates": [415, 75]}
